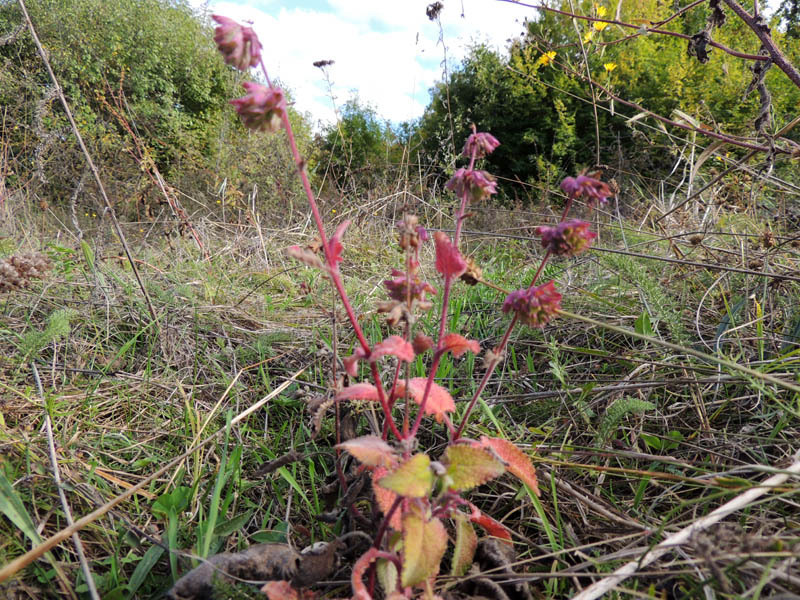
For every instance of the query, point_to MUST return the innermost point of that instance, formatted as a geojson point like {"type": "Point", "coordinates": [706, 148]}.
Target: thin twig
{"type": "Point", "coordinates": [48, 427]}
{"type": "Point", "coordinates": [739, 502]}
{"type": "Point", "coordinates": [109, 209]}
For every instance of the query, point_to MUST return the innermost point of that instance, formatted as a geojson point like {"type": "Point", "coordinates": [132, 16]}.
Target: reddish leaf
{"type": "Point", "coordinates": [360, 591]}
{"type": "Point", "coordinates": [424, 543]}
{"type": "Point", "coordinates": [351, 362]}
{"type": "Point", "coordinates": [468, 466]}
{"type": "Point", "coordinates": [466, 544]}
{"type": "Point", "coordinates": [385, 498]}
{"type": "Point", "coordinates": [335, 243]}
{"type": "Point", "coordinates": [449, 261]}
{"type": "Point", "coordinates": [412, 479]}
{"type": "Point", "coordinates": [492, 527]}
{"type": "Point", "coordinates": [359, 391]}
{"type": "Point", "coordinates": [283, 590]}
{"type": "Point", "coordinates": [395, 345]}
{"type": "Point", "coordinates": [439, 400]}
{"type": "Point", "coordinates": [371, 451]}
{"type": "Point", "coordinates": [458, 344]}
{"type": "Point", "coordinates": [516, 460]}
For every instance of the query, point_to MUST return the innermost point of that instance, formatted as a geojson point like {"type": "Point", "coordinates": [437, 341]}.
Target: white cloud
{"type": "Point", "coordinates": [387, 52]}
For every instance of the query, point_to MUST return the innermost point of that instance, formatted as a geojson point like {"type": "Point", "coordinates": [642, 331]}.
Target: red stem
{"type": "Point", "coordinates": [333, 268]}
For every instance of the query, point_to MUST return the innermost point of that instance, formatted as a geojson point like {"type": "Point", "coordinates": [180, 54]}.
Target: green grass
{"type": "Point", "coordinates": [628, 437]}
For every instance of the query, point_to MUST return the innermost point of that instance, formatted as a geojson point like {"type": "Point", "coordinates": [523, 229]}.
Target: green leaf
{"type": "Point", "coordinates": [176, 500]}
{"type": "Point", "coordinates": [143, 568]}
{"type": "Point", "coordinates": [228, 526]}
{"type": "Point", "coordinates": [466, 544]}
{"type": "Point", "coordinates": [412, 479]}
{"type": "Point", "coordinates": [643, 325]}
{"type": "Point", "coordinates": [468, 467]}
{"type": "Point", "coordinates": [11, 506]}
{"type": "Point", "coordinates": [424, 543]}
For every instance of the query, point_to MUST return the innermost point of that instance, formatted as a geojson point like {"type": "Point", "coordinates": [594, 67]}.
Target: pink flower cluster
{"type": "Point", "coordinates": [590, 188]}
{"type": "Point", "coordinates": [480, 145]}
{"type": "Point", "coordinates": [568, 238]}
{"type": "Point", "coordinates": [476, 184]}
{"type": "Point", "coordinates": [534, 306]}
{"type": "Point", "coordinates": [263, 108]}
{"type": "Point", "coordinates": [238, 45]}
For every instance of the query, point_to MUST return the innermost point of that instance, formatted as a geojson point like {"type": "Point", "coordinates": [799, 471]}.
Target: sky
{"type": "Point", "coordinates": [385, 51]}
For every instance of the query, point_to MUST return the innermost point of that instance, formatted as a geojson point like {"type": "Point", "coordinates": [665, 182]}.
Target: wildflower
{"type": "Point", "coordinates": [546, 58]}
{"type": "Point", "coordinates": [404, 286]}
{"type": "Point", "coordinates": [480, 144]}
{"type": "Point", "coordinates": [478, 184]}
{"type": "Point", "coordinates": [600, 10]}
{"type": "Point", "coordinates": [587, 37]}
{"type": "Point", "coordinates": [263, 108]}
{"type": "Point", "coordinates": [589, 187]}
{"type": "Point", "coordinates": [609, 66]}
{"type": "Point", "coordinates": [568, 238]}
{"type": "Point", "coordinates": [238, 45]}
{"type": "Point", "coordinates": [600, 25]}
{"type": "Point", "coordinates": [534, 306]}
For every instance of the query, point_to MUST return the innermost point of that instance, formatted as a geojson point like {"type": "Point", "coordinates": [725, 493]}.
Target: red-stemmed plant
{"type": "Point", "coordinates": [419, 494]}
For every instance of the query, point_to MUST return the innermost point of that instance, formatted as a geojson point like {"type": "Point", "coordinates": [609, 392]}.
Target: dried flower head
{"type": "Point", "coordinates": [589, 187]}
{"type": "Point", "coordinates": [480, 144]}
{"type": "Point", "coordinates": [535, 306]}
{"type": "Point", "coordinates": [263, 108]}
{"type": "Point", "coordinates": [477, 184]}
{"type": "Point", "coordinates": [403, 287]}
{"type": "Point", "coordinates": [412, 234]}
{"type": "Point", "coordinates": [238, 45]}
{"type": "Point", "coordinates": [473, 274]}
{"type": "Point", "coordinates": [568, 238]}
{"type": "Point", "coordinates": [17, 272]}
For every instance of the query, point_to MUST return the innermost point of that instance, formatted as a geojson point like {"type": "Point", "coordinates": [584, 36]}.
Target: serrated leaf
{"type": "Point", "coordinates": [387, 575]}
{"type": "Point", "coordinates": [385, 498]}
{"type": "Point", "coordinates": [359, 391]}
{"type": "Point", "coordinates": [466, 544]}
{"type": "Point", "coordinates": [516, 460]}
{"type": "Point", "coordinates": [468, 466]}
{"type": "Point", "coordinates": [424, 543]}
{"type": "Point", "coordinates": [448, 258]}
{"type": "Point", "coordinates": [412, 479]}
{"type": "Point", "coordinates": [395, 345]}
{"type": "Point", "coordinates": [371, 451]}
{"type": "Point", "coordinates": [458, 344]}
{"type": "Point", "coordinates": [439, 399]}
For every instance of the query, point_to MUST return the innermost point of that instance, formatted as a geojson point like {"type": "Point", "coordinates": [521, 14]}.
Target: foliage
{"type": "Point", "coordinates": [357, 152]}
{"type": "Point", "coordinates": [534, 97]}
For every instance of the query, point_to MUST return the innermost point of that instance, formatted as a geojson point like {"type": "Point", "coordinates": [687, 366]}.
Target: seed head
{"type": "Point", "coordinates": [534, 306]}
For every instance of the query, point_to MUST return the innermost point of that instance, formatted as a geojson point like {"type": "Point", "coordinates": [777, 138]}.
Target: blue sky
{"type": "Point", "coordinates": [386, 51]}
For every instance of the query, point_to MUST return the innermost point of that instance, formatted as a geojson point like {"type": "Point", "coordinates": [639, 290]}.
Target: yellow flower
{"type": "Point", "coordinates": [588, 36]}
{"type": "Point", "coordinates": [601, 10]}
{"type": "Point", "coordinates": [546, 58]}
{"type": "Point", "coordinates": [333, 210]}
{"type": "Point", "coordinates": [609, 67]}
{"type": "Point", "coordinates": [599, 25]}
